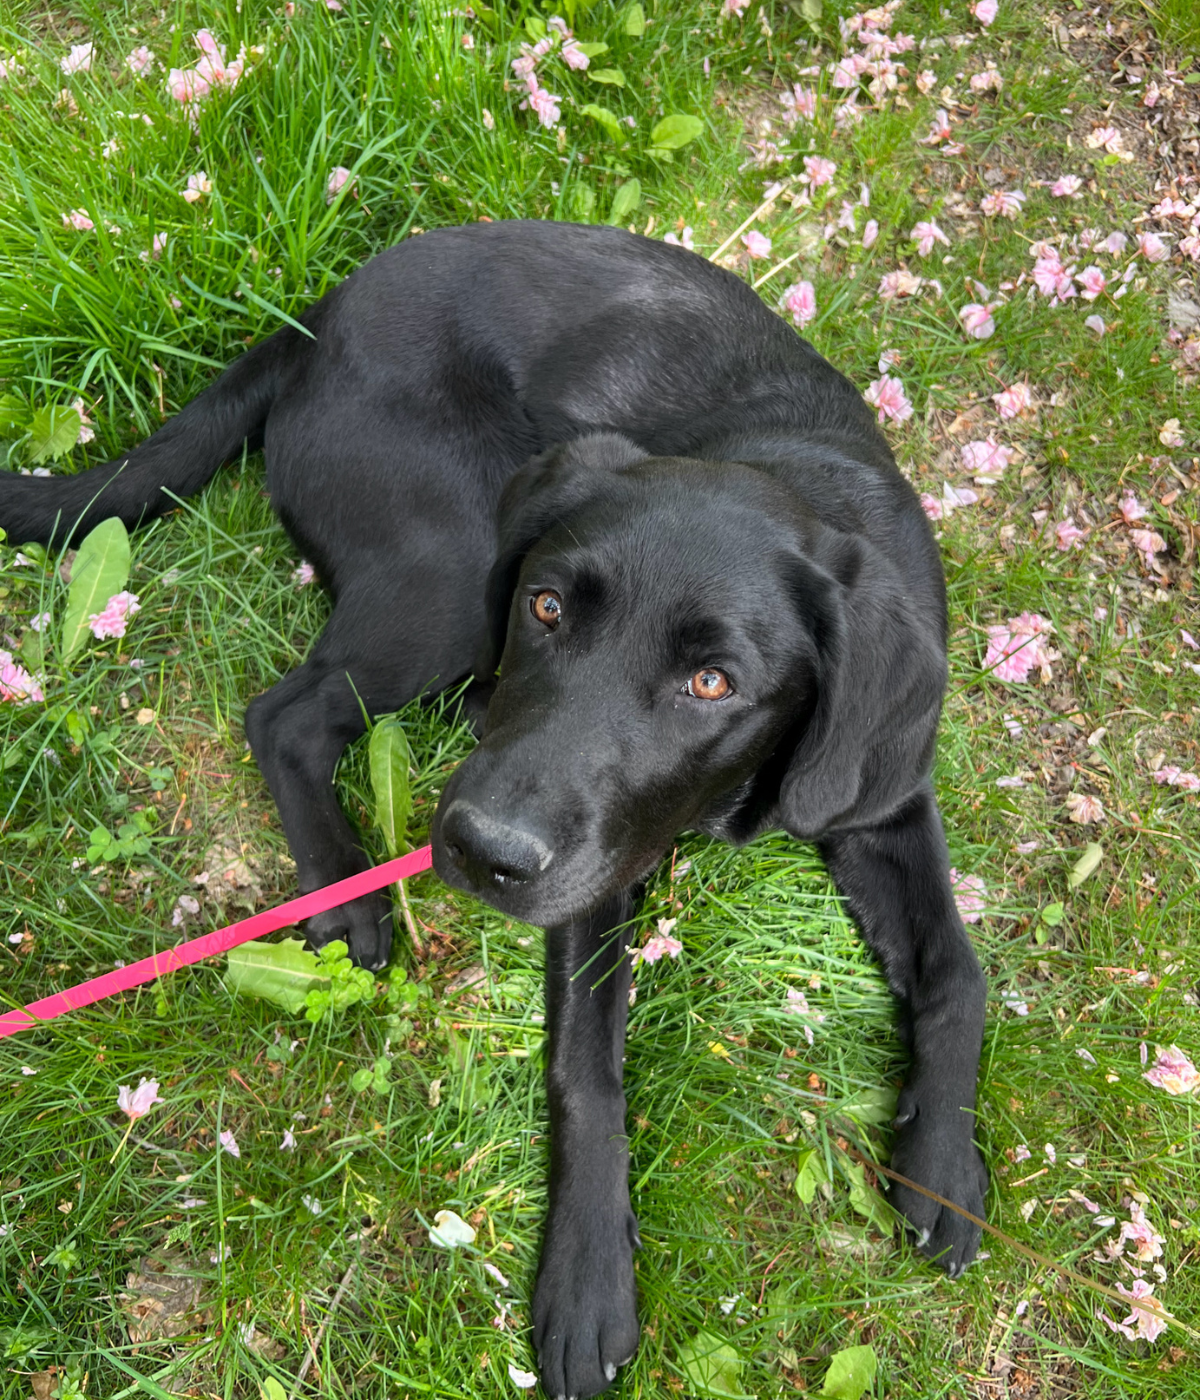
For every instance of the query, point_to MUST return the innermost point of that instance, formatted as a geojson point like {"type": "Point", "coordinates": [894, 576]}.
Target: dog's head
{"type": "Point", "coordinates": [681, 643]}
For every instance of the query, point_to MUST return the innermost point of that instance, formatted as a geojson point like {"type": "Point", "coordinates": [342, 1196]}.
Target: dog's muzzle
{"type": "Point", "coordinates": [490, 853]}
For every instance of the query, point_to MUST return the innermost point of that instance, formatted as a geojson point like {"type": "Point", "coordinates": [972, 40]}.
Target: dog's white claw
{"type": "Point", "coordinates": [610, 1370]}
{"type": "Point", "coordinates": [923, 1238]}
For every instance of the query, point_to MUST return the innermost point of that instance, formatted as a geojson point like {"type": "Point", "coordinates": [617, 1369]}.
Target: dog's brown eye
{"type": "Point", "coordinates": [709, 685]}
{"type": "Point", "coordinates": [547, 608]}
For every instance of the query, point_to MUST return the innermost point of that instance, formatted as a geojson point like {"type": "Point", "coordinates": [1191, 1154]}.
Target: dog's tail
{"type": "Point", "coordinates": [181, 457]}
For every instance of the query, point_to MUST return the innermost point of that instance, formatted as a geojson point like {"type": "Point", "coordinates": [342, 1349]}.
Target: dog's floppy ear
{"type": "Point", "coordinates": [880, 675]}
{"type": "Point", "coordinates": [547, 489]}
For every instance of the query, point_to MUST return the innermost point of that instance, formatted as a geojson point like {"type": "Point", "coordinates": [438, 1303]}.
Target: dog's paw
{"type": "Point", "coordinates": [935, 1152]}
{"type": "Point", "coordinates": [364, 925]}
{"type": "Point", "coordinates": [585, 1325]}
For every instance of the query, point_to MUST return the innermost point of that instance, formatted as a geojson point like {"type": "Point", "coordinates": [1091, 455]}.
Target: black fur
{"type": "Point", "coordinates": [490, 412]}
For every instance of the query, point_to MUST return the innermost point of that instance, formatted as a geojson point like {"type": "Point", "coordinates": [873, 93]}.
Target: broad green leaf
{"type": "Point", "coordinates": [809, 1175]}
{"type": "Point", "coordinates": [811, 10]}
{"type": "Point", "coordinates": [273, 1390]}
{"type": "Point", "coordinates": [52, 432]}
{"type": "Point", "coordinates": [625, 201]}
{"type": "Point", "coordinates": [608, 120]}
{"type": "Point", "coordinates": [1087, 864]}
{"type": "Point", "coordinates": [1053, 914]}
{"type": "Point", "coordinates": [593, 49]}
{"type": "Point", "coordinates": [14, 414]}
{"type": "Point", "coordinates": [873, 1107]}
{"type": "Point", "coordinates": [635, 21]}
{"type": "Point", "coordinates": [101, 568]}
{"type": "Point", "coordinates": [612, 76]}
{"type": "Point", "coordinates": [35, 553]}
{"type": "Point", "coordinates": [869, 1204]}
{"type": "Point", "coordinates": [389, 761]}
{"type": "Point", "coordinates": [281, 973]}
{"type": "Point", "coordinates": [850, 1373]}
{"type": "Point", "coordinates": [582, 201]}
{"type": "Point", "coordinates": [675, 131]}
{"type": "Point", "coordinates": [712, 1367]}
{"type": "Point", "coordinates": [535, 27]}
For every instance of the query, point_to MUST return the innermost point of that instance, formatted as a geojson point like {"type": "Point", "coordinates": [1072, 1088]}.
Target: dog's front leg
{"type": "Point", "coordinates": [896, 879]}
{"type": "Point", "coordinates": [585, 1303]}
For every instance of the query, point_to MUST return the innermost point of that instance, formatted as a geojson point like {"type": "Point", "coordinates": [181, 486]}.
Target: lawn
{"type": "Point", "coordinates": [994, 231]}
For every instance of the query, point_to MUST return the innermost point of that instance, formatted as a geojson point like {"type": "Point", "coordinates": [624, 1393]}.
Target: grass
{"type": "Point", "coordinates": [725, 1093]}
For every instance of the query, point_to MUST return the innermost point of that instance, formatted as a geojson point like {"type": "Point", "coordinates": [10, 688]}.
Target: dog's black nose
{"type": "Point", "coordinates": [490, 852]}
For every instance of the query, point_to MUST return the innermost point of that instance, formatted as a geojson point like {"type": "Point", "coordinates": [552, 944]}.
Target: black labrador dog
{"type": "Point", "coordinates": [603, 468]}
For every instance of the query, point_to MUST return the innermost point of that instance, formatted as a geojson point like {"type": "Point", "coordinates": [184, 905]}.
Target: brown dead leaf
{"type": "Point", "coordinates": [164, 1299]}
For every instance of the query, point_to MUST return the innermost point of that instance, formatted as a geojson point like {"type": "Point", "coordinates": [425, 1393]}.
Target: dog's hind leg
{"type": "Point", "coordinates": [386, 643]}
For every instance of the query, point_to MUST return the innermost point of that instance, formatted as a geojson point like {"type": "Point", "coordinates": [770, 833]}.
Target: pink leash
{"type": "Point", "coordinates": [209, 945]}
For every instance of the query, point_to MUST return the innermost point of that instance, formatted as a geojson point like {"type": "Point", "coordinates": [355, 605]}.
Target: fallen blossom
{"type": "Point", "coordinates": [800, 301]}
{"type": "Point", "coordinates": [1017, 646]}
{"type": "Point", "coordinates": [158, 246]}
{"type": "Point", "coordinates": [758, 245]}
{"type": "Point", "coordinates": [797, 1005]}
{"type": "Point", "coordinates": [1003, 203]}
{"type": "Point", "coordinates": [112, 620]}
{"type": "Point", "coordinates": [661, 945]}
{"type": "Point", "coordinates": [1173, 1071]}
{"type": "Point", "coordinates": [1173, 776]}
{"type": "Point", "coordinates": [1084, 809]}
{"type": "Point", "coordinates": [977, 319]}
{"type": "Point", "coordinates": [544, 105]}
{"type": "Point", "coordinates": [900, 283]}
{"type": "Point", "coordinates": [1085, 1055]}
{"type": "Point", "coordinates": [1115, 243]}
{"type": "Point", "coordinates": [1151, 247]}
{"type": "Point", "coordinates": [526, 1380]}
{"type": "Point", "coordinates": [1024, 848]}
{"type": "Point", "coordinates": [987, 81]}
{"type": "Point", "coordinates": [1171, 207]}
{"type": "Point", "coordinates": [1095, 323]}
{"type": "Point", "coordinates": [136, 1103]}
{"type": "Point", "coordinates": [1013, 401]}
{"type": "Point", "coordinates": [682, 240]}
{"type": "Point", "coordinates": [78, 220]}
{"type": "Point", "coordinates": [870, 233]}
{"type": "Point", "coordinates": [190, 86]}
{"type": "Point", "coordinates": [1170, 434]}
{"type": "Point", "coordinates": [1130, 508]}
{"type": "Point", "coordinates": [939, 128]}
{"type": "Point", "coordinates": [489, 122]}
{"type": "Point", "coordinates": [985, 11]}
{"type": "Point", "coordinates": [970, 894]}
{"type": "Point", "coordinates": [1107, 137]}
{"type": "Point", "coordinates": [1188, 639]}
{"type": "Point", "coordinates": [229, 1143]}
{"type": "Point", "coordinates": [1147, 1242]}
{"type": "Point", "coordinates": [1066, 186]}
{"type": "Point", "coordinates": [1147, 1313]}
{"type": "Point", "coordinates": [926, 233]}
{"type": "Point", "coordinates": [1150, 543]}
{"type": "Point", "coordinates": [886, 394]}
{"type": "Point", "coordinates": [819, 170]}
{"type": "Point", "coordinates": [185, 905]}
{"type": "Point", "coordinates": [1051, 1153]}
{"type": "Point", "coordinates": [198, 185]}
{"type": "Point", "coordinates": [304, 574]}
{"type": "Point", "coordinates": [1014, 1002]}
{"type": "Point", "coordinates": [1093, 282]}
{"type": "Point", "coordinates": [140, 61]}
{"type": "Point", "coordinates": [336, 183]}
{"type": "Point", "coordinates": [1021, 1153]}
{"type": "Point", "coordinates": [1070, 536]}
{"type": "Point", "coordinates": [985, 459]}
{"type": "Point", "coordinates": [800, 102]}
{"type": "Point", "coordinates": [79, 60]}
{"type": "Point", "coordinates": [288, 1143]}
